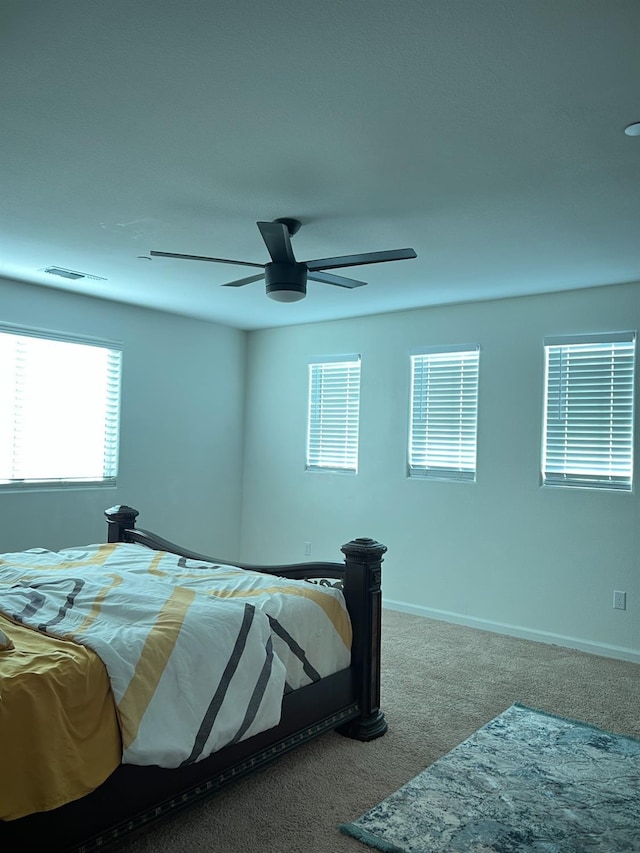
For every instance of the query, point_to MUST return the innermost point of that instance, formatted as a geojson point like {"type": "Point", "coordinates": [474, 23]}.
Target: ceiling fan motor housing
{"type": "Point", "coordinates": [286, 282]}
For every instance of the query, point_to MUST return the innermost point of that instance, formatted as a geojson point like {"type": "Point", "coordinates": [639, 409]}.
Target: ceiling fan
{"type": "Point", "coordinates": [286, 278]}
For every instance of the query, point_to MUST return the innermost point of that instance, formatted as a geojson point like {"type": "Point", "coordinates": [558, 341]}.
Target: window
{"type": "Point", "coordinates": [334, 403]}
{"type": "Point", "coordinates": [444, 413]}
{"type": "Point", "coordinates": [60, 402]}
{"type": "Point", "coordinates": [588, 411]}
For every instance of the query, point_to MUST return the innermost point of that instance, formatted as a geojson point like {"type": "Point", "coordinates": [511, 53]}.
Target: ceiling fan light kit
{"type": "Point", "coordinates": [285, 277]}
{"type": "Point", "coordinates": [286, 282]}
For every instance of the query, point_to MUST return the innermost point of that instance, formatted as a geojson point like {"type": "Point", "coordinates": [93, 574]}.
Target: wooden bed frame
{"type": "Point", "coordinates": [347, 702]}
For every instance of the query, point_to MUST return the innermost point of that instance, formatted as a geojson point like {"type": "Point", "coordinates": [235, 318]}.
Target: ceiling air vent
{"type": "Point", "coordinates": [72, 274]}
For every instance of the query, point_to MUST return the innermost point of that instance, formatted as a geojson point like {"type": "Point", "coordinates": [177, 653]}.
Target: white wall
{"type": "Point", "coordinates": [503, 553]}
{"type": "Point", "coordinates": [181, 430]}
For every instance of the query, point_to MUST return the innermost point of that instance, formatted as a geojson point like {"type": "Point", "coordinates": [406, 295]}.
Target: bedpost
{"type": "Point", "coordinates": [363, 594]}
{"type": "Point", "coordinates": [120, 518]}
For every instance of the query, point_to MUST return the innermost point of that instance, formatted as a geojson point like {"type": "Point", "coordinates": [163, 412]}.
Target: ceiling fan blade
{"type": "Point", "coordinates": [340, 280]}
{"type": "Point", "coordinates": [276, 236]}
{"type": "Point", "coordinates": [242, 281]}
{"type": "Point", "coordinates": [200, 258]}
{"type": "Point", "coordinates": [356, 260]}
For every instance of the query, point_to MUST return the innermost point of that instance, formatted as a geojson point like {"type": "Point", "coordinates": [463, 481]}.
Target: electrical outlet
{"type": "Point", "coordinates": [307, 549]}
{"type": "Point", "coordinates": [619, 600]}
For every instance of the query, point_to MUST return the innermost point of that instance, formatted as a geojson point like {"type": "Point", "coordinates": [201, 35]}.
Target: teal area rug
{"type": "Point", "coordinates": [527, 782]}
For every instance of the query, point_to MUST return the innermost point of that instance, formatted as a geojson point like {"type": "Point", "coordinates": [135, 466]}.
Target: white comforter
{"type": "Point", "coordinates": [198, 656]}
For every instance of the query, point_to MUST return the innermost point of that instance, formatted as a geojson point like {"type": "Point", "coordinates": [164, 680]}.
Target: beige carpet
{"type": "Point", "coordinates": [441, 682]}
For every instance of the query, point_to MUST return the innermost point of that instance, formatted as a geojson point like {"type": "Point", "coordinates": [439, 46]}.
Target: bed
{"type": "Point", "coordinates": [99, 643]}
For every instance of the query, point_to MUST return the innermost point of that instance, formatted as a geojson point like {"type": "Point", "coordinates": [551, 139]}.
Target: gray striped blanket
{"type": "Point", "coordinates": [198, 656]}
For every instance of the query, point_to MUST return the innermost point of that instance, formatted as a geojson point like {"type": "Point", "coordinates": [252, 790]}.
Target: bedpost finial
{"type": "Point", "coordinates": [120, 518]}
{"type": "Point", "coordinates": [364, 548]}
{"type": "Point", "coordinates": [121, 511]}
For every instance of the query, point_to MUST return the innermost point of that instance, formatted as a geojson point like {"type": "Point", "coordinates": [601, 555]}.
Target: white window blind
{"type": "Point", "coordinates": [60, 405]}
{"type": "Point", "coordinates": [588, 412]}
{"type": "Point", "coordinates": [444, 413]}
{"type": "Point", "coordinates": [334, 410]}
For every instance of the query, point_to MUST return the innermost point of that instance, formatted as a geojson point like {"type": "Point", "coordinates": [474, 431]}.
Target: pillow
{"type": "Point", "coordinates": [6, 642]}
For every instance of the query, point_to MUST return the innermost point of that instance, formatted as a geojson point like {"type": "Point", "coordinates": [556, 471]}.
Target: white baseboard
{"type": "Point", "coordinates": [602, 649]}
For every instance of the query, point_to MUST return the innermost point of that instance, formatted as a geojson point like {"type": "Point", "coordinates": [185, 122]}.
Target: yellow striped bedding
{"type": "Point", "coordinates": [197, 656]}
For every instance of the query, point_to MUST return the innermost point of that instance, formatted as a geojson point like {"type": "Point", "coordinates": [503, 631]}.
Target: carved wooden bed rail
{"type": "Point", "coordinates": [347, 702]}
{"type": "Point", "coordinates": [361, 576]}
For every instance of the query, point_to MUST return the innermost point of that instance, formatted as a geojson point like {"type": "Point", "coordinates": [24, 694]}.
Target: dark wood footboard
{"type": "Point", "coordinates": [347, 702]}
{"type": "Point", "coordinates": [360, 577]}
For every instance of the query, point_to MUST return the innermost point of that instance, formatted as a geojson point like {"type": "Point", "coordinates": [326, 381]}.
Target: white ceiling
{"type": "Point", "coordinates": [486, 134]}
